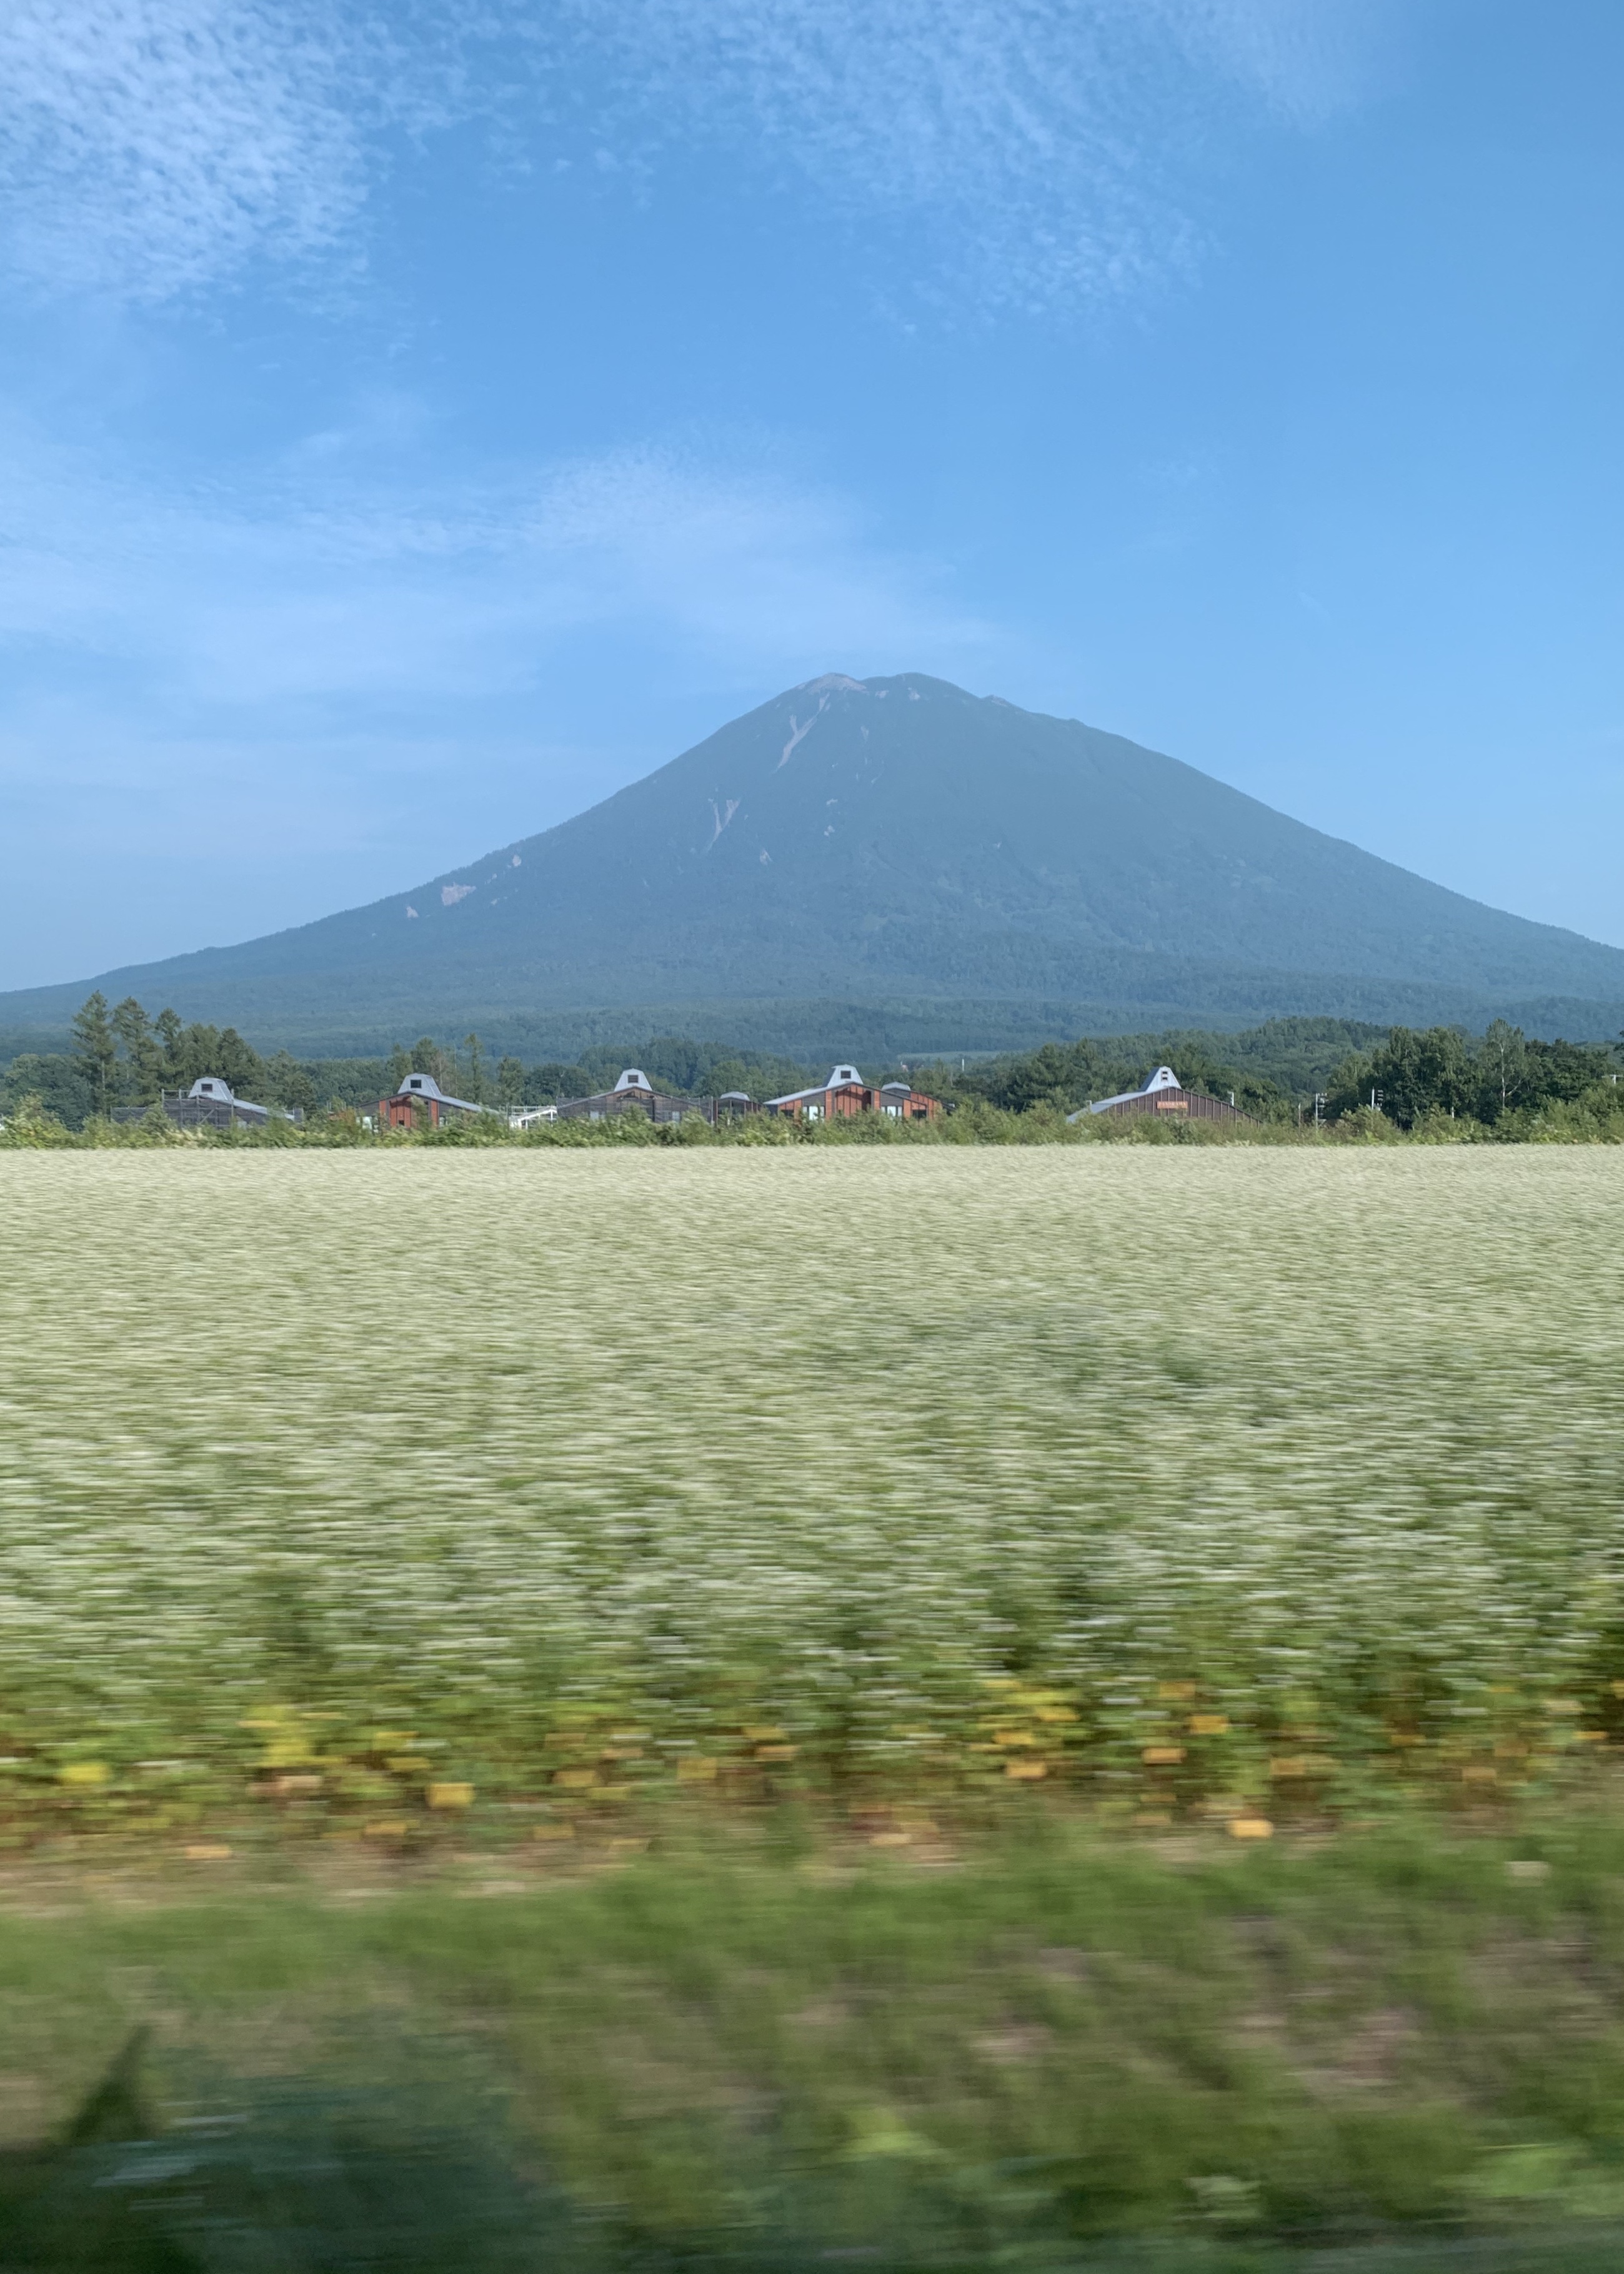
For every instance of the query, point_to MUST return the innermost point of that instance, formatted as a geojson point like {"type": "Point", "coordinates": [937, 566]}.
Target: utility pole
{"type": "Point", "coordinates": [1319, 1106]}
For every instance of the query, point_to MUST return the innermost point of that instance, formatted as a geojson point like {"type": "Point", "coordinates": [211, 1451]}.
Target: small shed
{"type": "Point", "coordinates": [420, 1095]}
{"type": "Point", "coordinates": [634, 1093]}
{"type": "Point", "coordinates": [845, 1095]}
{"type": "Point", "coordinates": [1164, 1096]}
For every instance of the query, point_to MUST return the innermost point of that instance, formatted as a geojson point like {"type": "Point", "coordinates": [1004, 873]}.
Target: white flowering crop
{"type": "Point", "coordinates": [875, 1466]}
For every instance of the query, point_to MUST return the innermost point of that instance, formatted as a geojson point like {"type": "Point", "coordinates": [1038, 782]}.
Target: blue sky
{"type": "Point", "coordinates": [416, 425]}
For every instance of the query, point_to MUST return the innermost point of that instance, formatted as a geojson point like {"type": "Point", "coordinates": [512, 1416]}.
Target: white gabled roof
{"type": "Point", "coordinates": [425, 1086]}
{"type": "Point", "coordinates": [210, 1090]}
{"type": "Point", "coordinates": [1164, 1078]}
{"type": "Point", "coordinates": [633, 1078]}
{"type": "Point", "coordinates": [841, 1078]}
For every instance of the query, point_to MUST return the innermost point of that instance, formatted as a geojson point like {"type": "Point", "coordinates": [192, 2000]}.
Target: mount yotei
{"type": "Point", "coordinates": [899, 847]}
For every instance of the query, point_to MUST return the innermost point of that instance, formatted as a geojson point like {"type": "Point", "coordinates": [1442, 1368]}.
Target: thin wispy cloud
{"type": "Point", "coordinates": [150, 146]}
{"type": "Point", "coordinates": [1306, 59]}
{"type": "Point", "coordinates": [296, 691]}
{"type": "Point", "coordinates": [1042, 147]}
{"type": "Point", "coordinates": [1045, 148]}
{"type": "Point", "coordinates": [312, 589]}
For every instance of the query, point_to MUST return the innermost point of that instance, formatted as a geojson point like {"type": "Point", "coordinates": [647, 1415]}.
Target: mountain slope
{"type": "Point", "coordinates": [894, 839]}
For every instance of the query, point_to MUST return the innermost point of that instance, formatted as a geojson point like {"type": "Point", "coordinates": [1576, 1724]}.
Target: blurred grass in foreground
{"type": "Point", "coordinates": [375, 1495]}
{"type": "Point", "coordinates": [1401, 2049]}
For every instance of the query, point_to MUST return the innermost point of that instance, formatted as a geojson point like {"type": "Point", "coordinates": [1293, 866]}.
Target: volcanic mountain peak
{"type": "Point", "coordinates": [895, 840]}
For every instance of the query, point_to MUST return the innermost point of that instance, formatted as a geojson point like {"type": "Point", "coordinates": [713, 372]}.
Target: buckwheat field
{"type": "Point", "coordinates": [1238, 1483]}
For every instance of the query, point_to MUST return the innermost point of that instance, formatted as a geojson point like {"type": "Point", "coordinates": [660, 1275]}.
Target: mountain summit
{"type": "Point", "coordinates": [894, 841]}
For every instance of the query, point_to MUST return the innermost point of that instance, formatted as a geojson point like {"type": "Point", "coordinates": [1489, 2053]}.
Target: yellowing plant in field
{"type": "Point", "coordinates": [553, 1479]}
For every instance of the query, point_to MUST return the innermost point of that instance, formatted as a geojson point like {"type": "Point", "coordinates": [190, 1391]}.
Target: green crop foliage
{"type": "Point", "coordinates": [409, 1491]}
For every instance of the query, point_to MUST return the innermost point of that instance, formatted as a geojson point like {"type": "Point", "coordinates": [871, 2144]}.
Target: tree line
{"type": "Point", "coordinates": [1281, 1071]}
{"type": "Point", "coordinates": [120, 1057]}
{"type": "Point", "coordinates": [1290, 1068]}
{"type": "Point", "coordinates": [1442, 1073]}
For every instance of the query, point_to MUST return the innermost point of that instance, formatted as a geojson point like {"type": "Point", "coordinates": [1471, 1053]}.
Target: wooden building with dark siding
{"type": "Point", "coordinates": [1164, 1096]}
{"type": "Point", "coordinates": [845, 1095]}
{"type": "Point", "coordinates": [635, 1093]}
{"type": "Point", "coordinates": [420, 1098]}
{"type": "Point", "coordinates": [904, 1103]}
{"type": "Point", "coordinates": [209, 1104]}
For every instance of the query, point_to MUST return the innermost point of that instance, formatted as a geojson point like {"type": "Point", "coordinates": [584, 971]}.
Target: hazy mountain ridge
{"type": "Point", "coordinates": [897, 841]}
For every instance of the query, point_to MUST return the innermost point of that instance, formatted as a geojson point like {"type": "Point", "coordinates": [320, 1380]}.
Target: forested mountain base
{"type": "Point", "coordinates": [1290, 1073]}
{"type": "Point", "coordinates": [931, 865]}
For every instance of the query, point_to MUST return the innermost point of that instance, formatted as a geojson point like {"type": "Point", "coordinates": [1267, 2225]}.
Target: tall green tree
{"type": "Point", "coordinates": [239, 1063]}
{"type": "Point", "coordinates": [57, 1079]}
{"type": "Point", "coordinates": [1503, 1056]}
{"type": "Point", "coordinates": [510, 1083]}
{"type": "Point", "coordinates": [428, 1057]}
{"type": "Point", "coordinates": [95, 1048]}
{"type": "Point", "coordinates": [143, 1056]}
{"type": "Point", "coordinates": [289, 1083]}
{"type": "Point", "coordinates": [475, 1048]}
{"type": "Point", "coordinates": [1412, 1073]}
{"type": "Point", "coordinates": [168, 1031]}
{"type": "Point", "coordinates": [197, 1050]}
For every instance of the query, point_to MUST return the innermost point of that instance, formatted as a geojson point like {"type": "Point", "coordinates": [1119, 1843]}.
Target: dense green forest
{"type": "Point", "coordinates": [1284, 1072]}
{"type": "Point", "coordinates": [1286, 1067]}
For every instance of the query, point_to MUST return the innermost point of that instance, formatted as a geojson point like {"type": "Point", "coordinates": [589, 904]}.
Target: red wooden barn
{"type": "Point", "coordinates": [1163, 1094]}
{"type": "Point", "coordinates": [420, 1097]}
{"type": "Point", "coordinates": [634, 1093]}
{"type": "Point", "coordinates": [845, 1095]}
